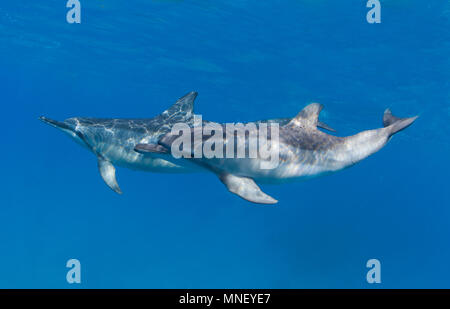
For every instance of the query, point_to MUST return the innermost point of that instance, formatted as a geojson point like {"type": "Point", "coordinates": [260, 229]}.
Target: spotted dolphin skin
{"type": "Point", "coordinates": [304, 151]}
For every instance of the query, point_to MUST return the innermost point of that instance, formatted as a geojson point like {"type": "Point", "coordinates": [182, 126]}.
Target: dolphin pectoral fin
{"type": "Point", "coordinates": [108, 173]}
{"type": "Point", "coordinates": [323, 125]}
{"type": "Point", "coordinates": [150, 148]}
{"type": "Point", "coordinates": [246, 188]}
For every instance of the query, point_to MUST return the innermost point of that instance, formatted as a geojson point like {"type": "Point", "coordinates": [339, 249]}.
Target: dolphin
{"type": "Point", "coordinates": [304, 152]}
{"type": "Point", "coordinates": [113, 140]}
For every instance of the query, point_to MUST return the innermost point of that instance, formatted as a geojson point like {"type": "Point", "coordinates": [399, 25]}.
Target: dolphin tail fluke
{"type": "Point", "coordinates": [396, 124]}
{"type": "Point", "coordinates": [246, 188]}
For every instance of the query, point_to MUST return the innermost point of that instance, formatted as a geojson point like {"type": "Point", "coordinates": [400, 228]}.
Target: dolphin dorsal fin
{"type": "Point", "coordinates": [308, 116]}
{"type": "Point", "coordinates": [183, 109]}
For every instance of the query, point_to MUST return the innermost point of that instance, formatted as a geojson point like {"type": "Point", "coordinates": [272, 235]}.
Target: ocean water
{"type": "Point", "coordinates": [248, 60]}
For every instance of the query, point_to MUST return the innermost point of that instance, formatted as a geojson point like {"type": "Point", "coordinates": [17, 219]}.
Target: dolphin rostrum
{"type": "Point", "coordinates": [304, 151]}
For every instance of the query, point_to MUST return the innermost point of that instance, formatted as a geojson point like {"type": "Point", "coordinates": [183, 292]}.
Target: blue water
{"type": "Point", "coordinates": [248, 60]}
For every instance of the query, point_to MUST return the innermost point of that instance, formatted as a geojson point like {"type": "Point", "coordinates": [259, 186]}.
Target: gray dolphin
{"type": "Point", "coordinates": [113, 140]}
{"type": "Point", "coordinates": [304, 151]}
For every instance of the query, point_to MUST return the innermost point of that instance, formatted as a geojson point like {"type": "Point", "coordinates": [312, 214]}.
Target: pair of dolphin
{"type": "Point", "coordinates": [305, 151]}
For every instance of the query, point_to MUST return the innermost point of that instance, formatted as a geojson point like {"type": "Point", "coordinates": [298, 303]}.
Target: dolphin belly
{"type": "Point", "coordinates": [122, 153]}
{"type": "Point", "coordinates": [310, 166]}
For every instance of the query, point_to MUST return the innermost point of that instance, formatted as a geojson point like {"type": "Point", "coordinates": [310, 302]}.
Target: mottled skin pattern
{"type": "Point", "coordinates": [304, 151]}
{"type": "Point", "coordinates": [114, 140]}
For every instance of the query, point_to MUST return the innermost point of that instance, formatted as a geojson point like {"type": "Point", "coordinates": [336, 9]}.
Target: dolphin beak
{"type": "Point", "coordinates": [55, 123]}
{"type": "Point", "coordinates": [67, 128]}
